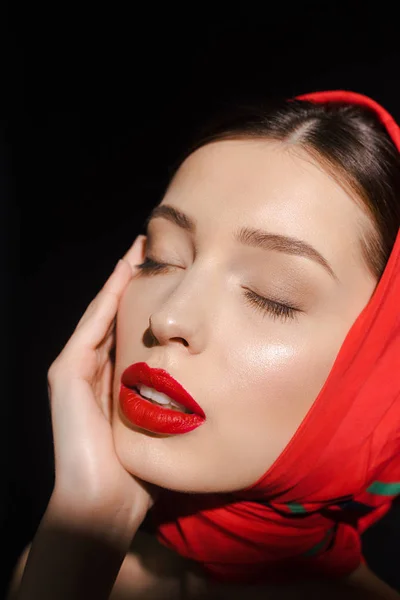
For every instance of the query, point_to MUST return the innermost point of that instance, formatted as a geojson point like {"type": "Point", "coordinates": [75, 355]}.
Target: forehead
{"type": "Point", "coordinates": [270, 185]}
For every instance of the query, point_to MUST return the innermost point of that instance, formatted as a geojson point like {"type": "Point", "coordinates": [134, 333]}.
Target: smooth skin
{"type": "Point", "coordinates": [88, 544]}
{"type": "Point", "coordinates": [254, 374]}
{"type": "Point", "coordinates": [96, 505]}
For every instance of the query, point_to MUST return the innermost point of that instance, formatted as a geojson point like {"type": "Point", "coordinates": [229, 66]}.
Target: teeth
{"type": "Point", "coordinates": [160, 398]}
{"type": "Point", "coordinates": [152, 394]}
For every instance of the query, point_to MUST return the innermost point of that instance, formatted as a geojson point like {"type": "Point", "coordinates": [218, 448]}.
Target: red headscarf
{"type": "Point", "coordinates": [338, 474]}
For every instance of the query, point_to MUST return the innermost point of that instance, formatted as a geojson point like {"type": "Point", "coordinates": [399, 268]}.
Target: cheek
{"type": "Point", "coordinates": [277, 382]}
{"type": "Point", "coordinates": [131, 324]}
{"type": "Point", "coordinates": [134, 311]}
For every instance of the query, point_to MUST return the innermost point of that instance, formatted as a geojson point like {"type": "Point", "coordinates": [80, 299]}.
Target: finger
{"type": "Point", "coordinates": [106, 346]}
{"type": "Point", "coordinates": [114, 282]}
{"type": "Point", "coordinates": [135, 254]}
{"type": "Point", "coordinates": [99, 316]}
{"type": "Point", "coordinates": [132, 257]}
{"type": "Point", "coordinates": [111, 291]}
{"type": "Point", "coordinates": [104, 394]}
{"type": "Point", "coordinates": [111, 329]}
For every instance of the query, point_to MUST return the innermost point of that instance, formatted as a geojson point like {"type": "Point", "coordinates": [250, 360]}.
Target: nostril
{"type": "Point", "coordinates": [149, 339]}
{"type": "Point", "coordinates": [180, 340]}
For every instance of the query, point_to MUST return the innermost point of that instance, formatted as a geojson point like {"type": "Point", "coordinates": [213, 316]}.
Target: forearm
{"type": "Point", "coordinates": [76, 554]}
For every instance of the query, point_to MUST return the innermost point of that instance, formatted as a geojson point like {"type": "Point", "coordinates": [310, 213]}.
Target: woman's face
{"type": "Point", "coordinates": [255, 373]}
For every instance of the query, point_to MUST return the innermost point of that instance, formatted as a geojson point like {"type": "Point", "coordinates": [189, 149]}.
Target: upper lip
{"type": "Point", "coordinates": [160, 380]}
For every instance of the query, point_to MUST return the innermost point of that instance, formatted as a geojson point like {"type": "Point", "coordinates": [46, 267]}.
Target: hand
{"type": "Point", "coordinates": [88, 474]}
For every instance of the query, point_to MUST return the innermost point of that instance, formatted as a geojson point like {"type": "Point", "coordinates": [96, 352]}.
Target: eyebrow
{"type": "Point", "coordinates": [256, 238]}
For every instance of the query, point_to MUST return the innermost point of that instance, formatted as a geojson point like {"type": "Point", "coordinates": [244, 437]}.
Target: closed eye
{"type": "Point", "coordinates": [152, 267]}
{"type": "Point", "coordinates": [272, 307]}
{"type": "Point", "coordinates": [276, 309]}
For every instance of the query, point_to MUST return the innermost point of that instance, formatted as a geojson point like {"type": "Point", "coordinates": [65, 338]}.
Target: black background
{"type": "Point", "coordinates": [99, 104]}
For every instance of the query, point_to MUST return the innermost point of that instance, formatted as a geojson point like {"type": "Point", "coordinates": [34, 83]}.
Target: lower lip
{"type": "Point", "coordinates": [154, 418]}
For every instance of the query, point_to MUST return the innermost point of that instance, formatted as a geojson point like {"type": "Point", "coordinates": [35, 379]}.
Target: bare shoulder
{"type": "Point", "coordinates": [364, 579]}
{"type": "Point", "coordinates": [149, 571]}
{"type": "Point", "coordinates": [17, 574]}
{"type": "Point", "coordinates": [152, 571]}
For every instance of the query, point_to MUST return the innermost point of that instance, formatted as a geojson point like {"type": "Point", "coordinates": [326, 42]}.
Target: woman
{"type": "Point", "coordinates": [264, 316]}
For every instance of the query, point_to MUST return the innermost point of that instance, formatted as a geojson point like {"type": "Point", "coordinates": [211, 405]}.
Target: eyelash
{"type": "Point", "coordinates": [276, 309]}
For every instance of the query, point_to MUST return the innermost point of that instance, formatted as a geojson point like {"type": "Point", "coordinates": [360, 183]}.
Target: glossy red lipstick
{"type": "Point", "coordinates": [145, 414]}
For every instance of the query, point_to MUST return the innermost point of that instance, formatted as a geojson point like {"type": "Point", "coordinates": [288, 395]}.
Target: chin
{"type": "Point", "coordinates": [147, 456]}
{"type": "Point", "coordinates": [176, 462]}
{"type": "Point", "coordinates": [153, 458]}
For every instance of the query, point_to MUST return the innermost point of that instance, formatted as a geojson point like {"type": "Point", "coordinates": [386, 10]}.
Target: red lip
{"type": "Point", "coordinates": [150, 416]}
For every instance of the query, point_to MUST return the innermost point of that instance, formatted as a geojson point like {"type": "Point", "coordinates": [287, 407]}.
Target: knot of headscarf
{"type": "Point", "coordinates": [338, 474]}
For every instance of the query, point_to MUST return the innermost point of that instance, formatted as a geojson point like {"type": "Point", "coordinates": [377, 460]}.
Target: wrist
{"type": "Point", "coordinates": [113, 522]}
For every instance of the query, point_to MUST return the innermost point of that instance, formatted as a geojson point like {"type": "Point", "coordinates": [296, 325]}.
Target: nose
{"type": "Point", "coordinates": [163, 332]}
{"type": "Point", "coordinates": [180, 320]}
{"type": "Point", "coordinates": [166, 329]}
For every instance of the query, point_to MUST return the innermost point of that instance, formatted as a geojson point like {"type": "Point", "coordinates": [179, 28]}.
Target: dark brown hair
{"type": "Point", "coordinates": [349, 142]}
